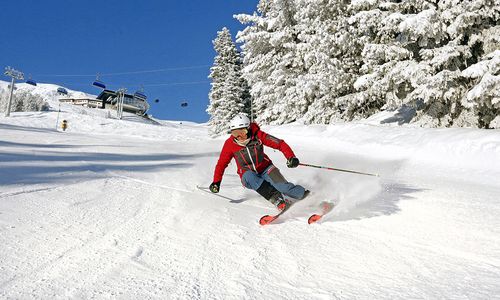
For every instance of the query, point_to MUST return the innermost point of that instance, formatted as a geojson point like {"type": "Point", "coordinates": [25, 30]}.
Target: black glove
{"type": "Point", "coordinates": [214, 187]}
{"type": "Point", "coordinates": [292, 162]}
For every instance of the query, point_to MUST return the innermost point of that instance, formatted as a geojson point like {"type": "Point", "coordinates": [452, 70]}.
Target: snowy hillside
{"type": "Point", "coordinates": [109, 209]}
{"type": "Point", "coordinates": [47, 91]}
{"type": "Point", "coordinates": [49, 94]}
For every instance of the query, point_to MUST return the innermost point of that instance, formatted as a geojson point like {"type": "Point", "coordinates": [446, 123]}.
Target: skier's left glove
{"type": "Point", "coordinates": [214, 187]}
{"type": "Point", "coordinates": [293, 162]}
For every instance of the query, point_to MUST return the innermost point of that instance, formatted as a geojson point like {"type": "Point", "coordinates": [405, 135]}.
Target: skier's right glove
{"type": "Point", "coordinates": [214, 187]}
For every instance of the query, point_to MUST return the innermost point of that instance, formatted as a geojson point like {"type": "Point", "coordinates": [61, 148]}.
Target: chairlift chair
{"type": "Point", "coordinates": [31, 81]}
{"type": "Point", "coordinates": [184, 104]}
{"type": "Point", "coordinates": [140, 95]}
{"type": "Point", "coordinates": [98, 83]}
{"type": "Point", "coordinates": [62, 91]}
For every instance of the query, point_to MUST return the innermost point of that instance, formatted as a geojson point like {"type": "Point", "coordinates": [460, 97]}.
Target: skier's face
{"type": "Point", "coordinates": [240, 134]}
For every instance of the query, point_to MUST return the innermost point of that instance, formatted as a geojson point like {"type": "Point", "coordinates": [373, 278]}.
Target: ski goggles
{"type": "Point", "coordinates": [239, 132]}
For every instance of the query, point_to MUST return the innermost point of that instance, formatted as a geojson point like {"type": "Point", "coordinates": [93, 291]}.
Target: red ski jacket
{"type": "Point", "coordinates": [251, 157]}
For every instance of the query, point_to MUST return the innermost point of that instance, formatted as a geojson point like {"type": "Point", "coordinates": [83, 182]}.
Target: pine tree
{"type": "Point", "coordinates": [229, 93]}
{"type": "Point", "coordinates": [388, 73]}
{"type": "Point", "coordinates": [322, 61]}
{"type": "Point", "coordinates": [484, 96]}
{"type": "Point", "coordinates": [22, 101]}
{"type": "Point", "coordinates": [267, 47]}
{"type": "Point", "coordinates": [328, 51]}
{"type": "Point", "coordinates": [293, 59]}
{"type": "Point", "coordinates": [415, 54]}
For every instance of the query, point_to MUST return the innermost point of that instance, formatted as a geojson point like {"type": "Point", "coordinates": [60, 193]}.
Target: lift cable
{"type": "Point", "coordinates": [126, 73]}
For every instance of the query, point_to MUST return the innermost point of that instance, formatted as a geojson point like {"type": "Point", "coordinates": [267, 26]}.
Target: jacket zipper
{"type": "Point", "coordinates": [250, 155]}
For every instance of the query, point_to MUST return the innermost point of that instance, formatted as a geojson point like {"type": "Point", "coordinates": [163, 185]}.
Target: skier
{"type": "Point", "coordinates": [64, 125]}
{"type": "Point", "coordinates": [256, 170]}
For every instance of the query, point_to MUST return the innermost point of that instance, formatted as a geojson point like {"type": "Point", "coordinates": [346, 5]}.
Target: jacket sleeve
{"type": "Point", "coordinates": [224, 160]}
{"type": "Point", "coordinates": [275, 143]}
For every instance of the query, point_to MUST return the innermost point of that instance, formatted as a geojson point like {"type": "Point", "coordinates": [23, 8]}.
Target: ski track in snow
{"type": "Point", "coordinates": [90, 216]}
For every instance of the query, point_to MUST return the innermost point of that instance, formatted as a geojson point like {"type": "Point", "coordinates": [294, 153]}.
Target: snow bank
{"type": "Point", "coordinates": [451, 149]}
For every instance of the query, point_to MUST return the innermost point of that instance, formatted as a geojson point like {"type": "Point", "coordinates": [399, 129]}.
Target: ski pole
{"type": "Point", "coordinates": [334, 169]}
{"type": "Point", "coordinates": [207, 190]}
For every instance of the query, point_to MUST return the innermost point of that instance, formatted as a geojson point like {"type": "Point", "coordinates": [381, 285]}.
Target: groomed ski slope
{"type": "Point", "coordinates": [109, 210]}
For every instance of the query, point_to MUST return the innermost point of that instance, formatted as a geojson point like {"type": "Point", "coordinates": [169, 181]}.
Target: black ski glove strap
{"type": "Point", "coordinates": [214, 187]}
{"type": "Point", "coordinates": [292, 162]}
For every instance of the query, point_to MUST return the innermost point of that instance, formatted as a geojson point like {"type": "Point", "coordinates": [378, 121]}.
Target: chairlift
{"type": "Point", "coordinates": [157, 100]}
{"type": "Point", "coordinates": [140, 95]}
{"type": "Point", "coordinates": [184, 104]}
{"type": "Point", "coordinates": [98, 83]}
{"type": "Point", "coordinates": [62, 91]}
{"type": "Point", "coordinates": [31, 81]}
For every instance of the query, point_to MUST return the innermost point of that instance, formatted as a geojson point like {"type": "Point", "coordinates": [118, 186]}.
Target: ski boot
{"type": "Point", "coordinates": [285, 203]}
{"type": "Point", "coordinates": [271, 194]}
{"type": "Point", "coordinates": [281, 203]}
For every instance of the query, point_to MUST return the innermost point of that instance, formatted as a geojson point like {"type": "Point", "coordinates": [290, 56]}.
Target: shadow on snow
{"type": "Point", "coordinates": [38, 165]}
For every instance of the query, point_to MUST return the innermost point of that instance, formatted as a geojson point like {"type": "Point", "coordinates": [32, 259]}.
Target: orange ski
{"type": "Point", "coordinates": [326, 208]}
{"type": "Point", "coordinates": [269, 218]}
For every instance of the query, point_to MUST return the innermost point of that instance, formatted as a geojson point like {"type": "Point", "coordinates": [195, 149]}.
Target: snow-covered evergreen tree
{"type": "Point", "coordinates": [292, 51]}
{"type": "Point", "coordinates": [325, 61]}
{"type": "Point", "coordinates": [229, 94]}
{"type": "Point", "coordinates": [22, 101]}
{"type": "Point", "coordinates": [269, 43]}
{"type": "Point", "coordinates": [415, 53]}
{"type": "Point", "coordinates": [330, 55]}
{"type": "Point", "coordinates": [484, 96]}
{"type": "Point", "coordinates": [465, 24]}
{"type": "Point", "coordinates": [389, 71]}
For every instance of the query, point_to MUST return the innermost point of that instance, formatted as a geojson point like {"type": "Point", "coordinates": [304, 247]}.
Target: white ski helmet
{"type": "Point", "coordinates": [239, 121]}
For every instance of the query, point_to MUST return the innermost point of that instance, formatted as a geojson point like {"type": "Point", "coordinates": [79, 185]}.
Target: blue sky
{"type": "Point", "coordinates": [67, 42]}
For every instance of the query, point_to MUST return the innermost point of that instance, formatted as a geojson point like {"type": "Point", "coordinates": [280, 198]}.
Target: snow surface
{"type": "Point", "coordinates": [109, 209]}
{"type": "Point", "coordinates": [47, 91]}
